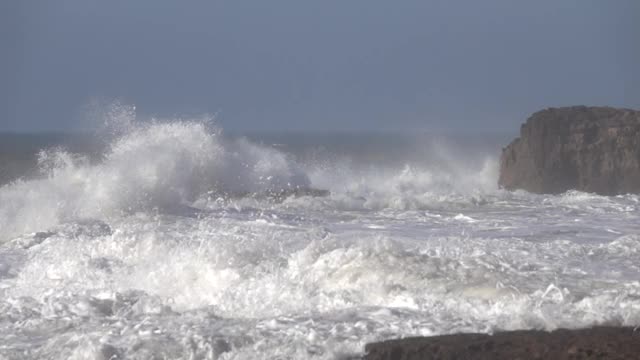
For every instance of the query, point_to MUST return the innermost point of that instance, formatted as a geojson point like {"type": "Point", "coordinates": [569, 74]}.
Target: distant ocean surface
{"type": "Point", "coordinates": [174, 240]}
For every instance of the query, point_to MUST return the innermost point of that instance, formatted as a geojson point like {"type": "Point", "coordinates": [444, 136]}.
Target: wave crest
{"type": "Point", "coordinates": [152, 166]}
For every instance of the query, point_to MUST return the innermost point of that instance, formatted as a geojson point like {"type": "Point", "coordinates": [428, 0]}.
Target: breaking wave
{"type": "Point", "coordinates": [178, 242]}
{"type": "Point", "coordinates": [158, 165]}
{"type": "Point", "coordinates": [412, 187]}
{"type": "Point", "coordinates": [165, 165]}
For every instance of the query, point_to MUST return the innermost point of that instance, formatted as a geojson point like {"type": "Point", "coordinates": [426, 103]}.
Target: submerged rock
{"type": "Point", "coordinates": [595, 343]}
{"type": "Point", "coordinates": [592, 149]}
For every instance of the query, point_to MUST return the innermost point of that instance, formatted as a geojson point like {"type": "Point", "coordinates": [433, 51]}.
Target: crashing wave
{"type": "Point", "coordinates": [158, 165]}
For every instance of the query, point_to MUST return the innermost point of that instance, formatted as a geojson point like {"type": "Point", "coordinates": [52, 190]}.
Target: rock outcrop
{"type": "Point", "coordinates": [602, 343]}
{"type": "Point", "coordinates": [592, 149]}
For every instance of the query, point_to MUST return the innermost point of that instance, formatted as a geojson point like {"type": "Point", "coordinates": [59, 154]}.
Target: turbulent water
{"type": "Point", "coordinates": [179, 242]}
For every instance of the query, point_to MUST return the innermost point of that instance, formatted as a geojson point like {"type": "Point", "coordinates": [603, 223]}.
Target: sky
{"type": "Point", "coordinates": [295, 65]}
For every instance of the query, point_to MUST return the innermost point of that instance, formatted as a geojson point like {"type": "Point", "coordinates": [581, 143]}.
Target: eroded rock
{"type": "Point", "coordinates": [592, 149]}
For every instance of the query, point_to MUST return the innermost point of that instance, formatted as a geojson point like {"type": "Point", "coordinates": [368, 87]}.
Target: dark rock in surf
{"type": "Point", "coordinates": [592, 149]}
{"type": "Point", "coordinates": [279, 195]}
{"type": "Point", "coordinates": [595, 343]}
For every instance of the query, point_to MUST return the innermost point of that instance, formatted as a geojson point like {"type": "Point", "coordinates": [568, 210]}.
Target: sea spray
{"type": "Point", "coordinates": [155, 165]}
{"type": "Point", "coordinates": [162, 246]}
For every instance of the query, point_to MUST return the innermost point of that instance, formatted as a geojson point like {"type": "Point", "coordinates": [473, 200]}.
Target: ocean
{"type": "Point", "coordinates": [176, 240]}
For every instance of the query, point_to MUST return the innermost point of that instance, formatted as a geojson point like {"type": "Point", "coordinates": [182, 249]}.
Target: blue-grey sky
{"type": "Point", "coordinates": [317, 65]}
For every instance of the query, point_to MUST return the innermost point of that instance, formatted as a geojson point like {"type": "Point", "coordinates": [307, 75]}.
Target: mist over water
{"type": "Point", "coordinates": [178, 241]}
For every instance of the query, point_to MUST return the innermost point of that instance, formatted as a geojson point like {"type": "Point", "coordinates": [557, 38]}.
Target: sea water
{"type": "Point", "coordinates": [177, 241]}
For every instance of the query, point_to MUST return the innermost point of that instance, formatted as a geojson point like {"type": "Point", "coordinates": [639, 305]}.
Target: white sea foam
{"type": "Point", "coordinates": [410, 187]}
{"type": "Point", "coordinates": [152, 166]}
{"type": "Point", "coordinates": [97, 262]}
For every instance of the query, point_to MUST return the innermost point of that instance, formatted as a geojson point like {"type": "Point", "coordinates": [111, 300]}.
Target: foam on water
{"type": "Point", "coordinates": [152, 166]}
{"type": "Point", "coordinates": [97, 263]}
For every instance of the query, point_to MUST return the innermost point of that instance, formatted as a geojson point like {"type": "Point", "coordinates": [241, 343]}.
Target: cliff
{"type": "Point", "coordinates": [592, 149]}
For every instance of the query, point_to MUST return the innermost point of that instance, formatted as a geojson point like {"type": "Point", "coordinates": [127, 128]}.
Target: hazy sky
{"type": "Point", "coordinates": [317, 65]}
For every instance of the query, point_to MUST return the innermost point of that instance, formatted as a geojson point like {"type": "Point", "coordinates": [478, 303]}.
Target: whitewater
{"type": "Point", "coordinates": [181, 242]}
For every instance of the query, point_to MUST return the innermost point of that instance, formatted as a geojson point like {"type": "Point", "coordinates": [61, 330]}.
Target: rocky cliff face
{"type": "Point", "coordinates": [593, 149]}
